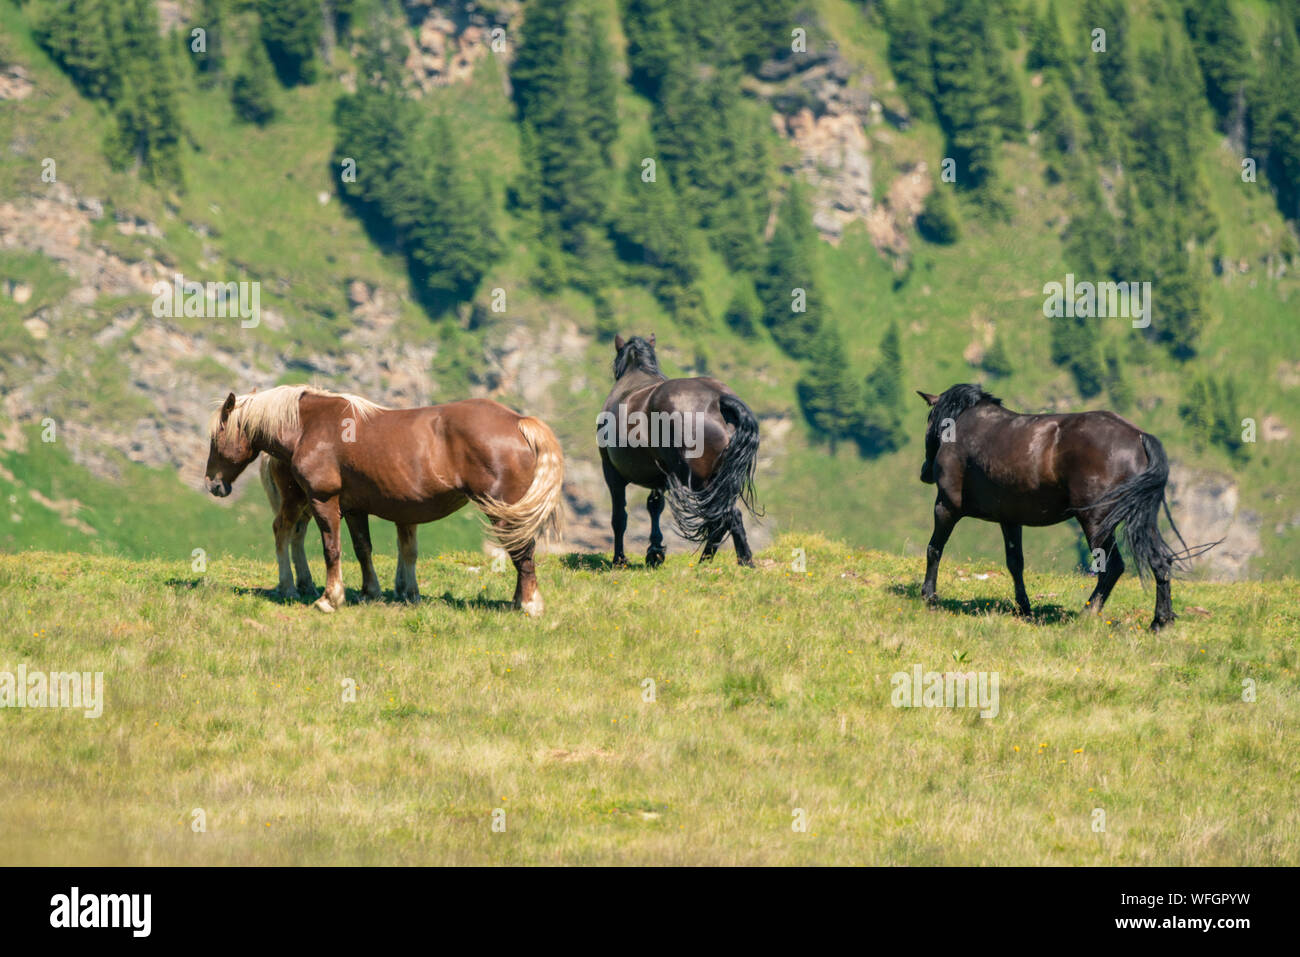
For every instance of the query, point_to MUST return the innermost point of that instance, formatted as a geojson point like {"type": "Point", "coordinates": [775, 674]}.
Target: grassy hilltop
{"type": "Point", "coordinates": [771, 693]}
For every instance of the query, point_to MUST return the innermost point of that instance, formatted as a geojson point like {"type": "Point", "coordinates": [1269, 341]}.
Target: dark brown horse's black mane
{"type": "Point", "coordinates": [638, 353]}
{"type": "Point", "coordinates": [954, 402]}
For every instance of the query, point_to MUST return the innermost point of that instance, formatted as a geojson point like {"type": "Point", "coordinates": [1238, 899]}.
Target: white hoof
{"type": "Point", "coordinates": [323, 604]}
{"type": "Point", "coordinates": [533, 607]}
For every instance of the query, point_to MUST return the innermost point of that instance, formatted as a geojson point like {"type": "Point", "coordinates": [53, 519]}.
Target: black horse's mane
{"type": "Point", "coordinates": [957, 400]}
{"type": "Point", "coordinates": [637, 353]}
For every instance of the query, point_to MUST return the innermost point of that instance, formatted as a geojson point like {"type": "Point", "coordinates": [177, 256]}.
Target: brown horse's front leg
{"type": "Point", "coordinates": [283, 527]}
{"type": "Point", "coordinates": [306, 587]}
{"type": "Point", "coordinates": [326, 513]}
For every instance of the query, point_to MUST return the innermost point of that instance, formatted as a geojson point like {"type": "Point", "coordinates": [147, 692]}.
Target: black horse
{"type": "Point", "coordinates": [1002, 466]}
{"type": "Point", "coordinates": [692, 442]}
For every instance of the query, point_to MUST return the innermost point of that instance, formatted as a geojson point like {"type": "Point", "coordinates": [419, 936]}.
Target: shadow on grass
{"type": "Point", "coordinates": [584, 561]}
{"type": "Point", "coordinates": [477, 602]}
{"type": "Point", "coordinates": [354, 597]}
{"type": "Point", "coordinates": [1049, 614]}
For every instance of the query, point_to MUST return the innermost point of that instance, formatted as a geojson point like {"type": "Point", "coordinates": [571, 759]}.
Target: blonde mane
{"type": "Point", "coordinates": [264, 415]}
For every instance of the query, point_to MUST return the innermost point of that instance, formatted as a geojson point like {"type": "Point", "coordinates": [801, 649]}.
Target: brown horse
{"type": "Point", "coordinates": [1015, 469]}
{"type": "Point", "coordinates": [352, 458]}
{"type": "Point", "coordinates": [692, 442]}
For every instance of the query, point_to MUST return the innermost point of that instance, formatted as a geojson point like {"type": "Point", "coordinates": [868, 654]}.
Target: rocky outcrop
{"type": "Point", "coordinates": [1207, 508]}
{"type": "Point", "coordinates": [825, 107]}
{"type": "Point", "coordinates": [451, 38]}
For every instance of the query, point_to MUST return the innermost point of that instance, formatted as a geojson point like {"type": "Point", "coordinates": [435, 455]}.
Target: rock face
{"type": "Point", "coordinates": [1206, 506]}
{"type": "Point", "coordinates": [452, 37]}
{"type": "Point", "coordinates": [825, 107]}
{"type": "Point", "coordinates": [15, 82]}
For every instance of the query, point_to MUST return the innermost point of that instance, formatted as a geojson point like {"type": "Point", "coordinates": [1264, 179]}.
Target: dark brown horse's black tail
{"type": "Point", "coordinates": [1136, 505]}
{"type": "Point", "coordinates": [704, 514]}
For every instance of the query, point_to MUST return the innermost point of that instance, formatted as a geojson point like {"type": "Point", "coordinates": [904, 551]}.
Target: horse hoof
{"type": "Point", "coordinates": [745, 562]}
{"type": "Point", "coordinates": [655, 557]}
{"type": "Point", "coordinates": [1160, 624]}
{"type": "Point", "coordinates": [323, 604]}
{"type": "Point", "coordinates": [306, 591]}
{"type": "Point", "coordinates": [375, 595]}
{"type": "Point", "coordinates": [533, 607]}
{"type": "Point", "coordinates": [620, 561]}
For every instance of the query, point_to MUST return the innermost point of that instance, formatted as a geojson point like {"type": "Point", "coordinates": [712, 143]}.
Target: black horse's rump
{"type": "Point", "coordinates": [699, 514]}
{"type": "Point", "coordinates": [703, 487]}
{"type": "Point", "coordinates": [1136, 505]}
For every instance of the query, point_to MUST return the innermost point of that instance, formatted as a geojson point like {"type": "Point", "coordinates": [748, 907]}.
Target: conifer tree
{"type": "Point", "coordinates": [790, 290]}
{"type": "Point", "coordinates": [1224, 58]}
{"type": "Point", "coordinates": [252, 90]}
{"type": "Point", "coordinates": [291, 30]}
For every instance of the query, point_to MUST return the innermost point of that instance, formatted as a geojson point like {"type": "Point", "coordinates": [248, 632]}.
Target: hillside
{"type": "Point", "coordinates": [221, 701]}
{"type": "Point", "coordinates": [129, 392]}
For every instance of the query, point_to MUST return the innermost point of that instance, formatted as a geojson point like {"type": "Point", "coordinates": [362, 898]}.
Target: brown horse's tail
{"type": "Point", "coordinates": [516, 525]}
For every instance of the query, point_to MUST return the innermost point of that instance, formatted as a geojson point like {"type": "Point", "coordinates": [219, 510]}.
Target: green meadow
{"type": "Point", "coordinates": [686, 715]}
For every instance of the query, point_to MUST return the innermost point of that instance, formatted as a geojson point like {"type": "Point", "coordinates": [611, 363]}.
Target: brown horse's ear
{"type": "Point", "coordinates": [929, 399]}
{"type": "Point", "coordinates": [652, 339]}
{"type": "Point", "coordinates": [227, 408]}
{"type": "Point", "coordinates": [619, 343]}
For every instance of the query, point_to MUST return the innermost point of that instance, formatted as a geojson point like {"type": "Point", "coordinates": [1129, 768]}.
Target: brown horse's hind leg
{"type": "Point", "coordinates": [326, 513]}
{"type": "Point", "coordinates": [359, 529]}
{"type": "Point", "coordinates": [654, 555]}
{"type": "Point", "coordinates": [404, 583]}
{"type": "Point", "coordinates": [527, 595]}
{"type": "Point", "coordinates": [945, 519]}
{"type": "Point", "coordinates": [1011, 539]}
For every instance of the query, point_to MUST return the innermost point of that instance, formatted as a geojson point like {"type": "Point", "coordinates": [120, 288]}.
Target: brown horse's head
{"type": "Point", "coordinates": [229, 452]}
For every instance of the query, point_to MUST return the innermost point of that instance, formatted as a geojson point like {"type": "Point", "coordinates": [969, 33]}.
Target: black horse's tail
{"type": "Point", "coordinates": [701, 514]}
{"type": "Point", "coordinates": [1136, 505]}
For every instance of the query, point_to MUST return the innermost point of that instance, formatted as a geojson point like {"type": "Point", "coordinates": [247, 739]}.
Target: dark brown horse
{"type": "Point", "coordinates": [353, 458]}
{"type": "Point", "coordinates": [692, 442]}
{"type": "Point", "coordinates": [1002, 466]}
